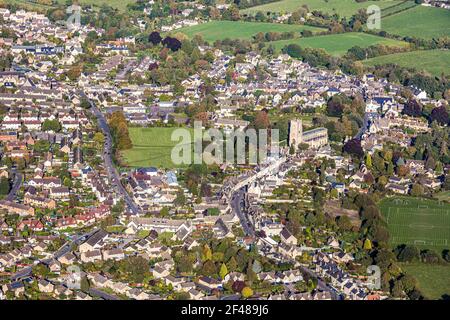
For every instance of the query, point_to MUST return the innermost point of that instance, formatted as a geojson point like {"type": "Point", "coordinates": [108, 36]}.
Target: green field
{"type": "Point", "coordinates": [345, 8]}
{"type": "Point", "coordinates": [419, 22]}
{"type": "Point", "coordinates": [435, 62]}
{"type": "Point", "coordinates": [443, 196]}
{"type": "Point", "coordinates": [219, 30]}
{"type": "Point", "coordinates": [338, 44]}
{"type": "Point", "coordinates": [420, 222]}
{"type": "Point", "coordinates": [151, 147]}
{"type": "Point", "coordinates": [119, 4]}
{"type": "Point", "coordinates": [433, 280]}
{"type": "Point", "coordinates": [397, 8]}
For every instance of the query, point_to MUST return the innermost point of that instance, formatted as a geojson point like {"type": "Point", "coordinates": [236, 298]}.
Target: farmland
{"type": "Point", "coordinates": [433, 280]}
{"type": "Point", "coordinates": [397, 8]}
{"type": "Point", "coordinates": [433, 61]}
{"type": "Point", "coordinates": [151, 147]}
{"type": "Point", "coordinates": [420, 222]}
{"type": "Point", "coordinates": [345, 8]}
{"type": "Point", "coordinates": [219, 30]}
{"type": "Point", "coordinates": [420, 22]}
{"type": "Point", "coordinates": [338, 44]}
{"type": "Point", "coordinates": [119, 4]}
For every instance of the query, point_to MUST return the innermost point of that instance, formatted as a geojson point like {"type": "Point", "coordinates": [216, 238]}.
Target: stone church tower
{"type": "Point", "coordinates": [295, 133]}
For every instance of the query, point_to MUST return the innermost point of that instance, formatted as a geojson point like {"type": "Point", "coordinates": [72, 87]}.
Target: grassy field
{"type": "Point", "coordinates": [397, 8]}
{"type": "Point", "coordinates": [433, 280]}
{"type": "Point", "coordinates": [433, 61]}
{"type": "Point", "coordinates": [420, 22]}
{"type": "Point", "coordinates": [119, 4]}
{"type": "Point", "coordinates": [345, 8]}
{"type": "Point", "coordinates": [443, 196]}
{"type": "Point", "coordinates": [151, 147]}
{"type": "Point", "coordinates": [338, 44]}
{"type": "Point", "coordinates": [421, 222]}
{"type": "Point", "coordinates": [219, 30]}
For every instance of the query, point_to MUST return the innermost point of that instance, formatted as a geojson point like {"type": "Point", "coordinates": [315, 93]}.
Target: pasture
{"type": "Point", "coordinates": [119, 4]}
{"type": "Point", "coordinates": [434, 62]}
{"type": "Point", "coordinates": [339, 44]}
{"type": "Point", "coordinates": [344, 8]}
{"type": "Point", "coordinates": [433, 280]}
{"type": "Point", "coordinates": [151, 147]}
{"type": "Point", "coordinates": [416, 221]}
{"type": "Point", "coordinates": [420, 22]}
{"type": "Point", "coordinates": [220, 30]}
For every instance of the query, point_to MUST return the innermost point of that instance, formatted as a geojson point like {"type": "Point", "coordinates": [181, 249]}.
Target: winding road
{"type": "Point", "coordinates": [26, 272]}
{"type": "Point", "coordinates": [113, 175]}
{"type": "Point", "coordinates": [18, 178]}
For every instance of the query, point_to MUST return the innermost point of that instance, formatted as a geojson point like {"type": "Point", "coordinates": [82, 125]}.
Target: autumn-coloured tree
{"type": "Point", "coordinates": [353, 147]}
{"type": "Point", "coordinates": [413, 108]}
{"type": "Point", "coordinates": [154, 38]}
{"type": "Point", "coordinates": [262, 120]}
{"type": "Point", "coordinates": [206, 253]}
{"type": "Point", "coordinates": [172, 43]}
{"type": "Point", "coordinates": [238, 286]}
{"type": "Point", "coordinates": [223, 271]}
{"type": "Point", "coordinates": [440, 115]}
{"type": "Point", "coordinates": [119, 131]}
{"type": "Point", "coordinates": [247, 292]}
{"type": "Point", "coordinates": [367, 245]}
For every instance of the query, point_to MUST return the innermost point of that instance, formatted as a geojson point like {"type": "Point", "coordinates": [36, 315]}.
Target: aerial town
{"type": "Point", "coordinates": [350, 202]}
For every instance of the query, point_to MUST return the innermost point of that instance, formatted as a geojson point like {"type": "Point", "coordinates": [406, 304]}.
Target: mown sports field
{"type": "Point", "coordinates": [435, 62]}
{"type": "Point", "coordinates": [339, 44]}
{"type": "Point", "coordinates": [345, 8]}
{"type": "Point", "coordinates": [152, 147]}
{"type": "Point", "coordinates": [220, 30]}
{"type": "Point", "coordinates": [416, 221]}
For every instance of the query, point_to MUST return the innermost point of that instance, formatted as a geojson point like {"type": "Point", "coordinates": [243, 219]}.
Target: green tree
{"type": "Point", "coordinates": [417, 190]}
{"type": "Point", "coordinates": [232, 264]}
{"type": "Point", "coordinates": [4, 186]}
{"type": "Point", "coordinates": [51, 125]}
{"type": "Point", "coordinates": [84, 284]}
{"type": "Point", "coordinates": [209, 269]}
{"type": "Point", "coordinates": [99, 140]}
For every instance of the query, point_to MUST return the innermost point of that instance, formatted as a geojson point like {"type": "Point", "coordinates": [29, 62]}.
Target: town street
{"type": "Point", "coordinates": [107, 157]}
